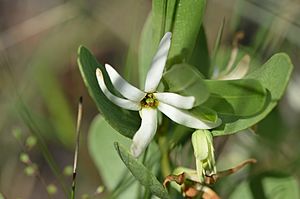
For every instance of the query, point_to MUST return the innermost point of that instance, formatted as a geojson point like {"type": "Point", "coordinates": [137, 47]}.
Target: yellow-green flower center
{"type": "Point", "coordinates": [149, 101]}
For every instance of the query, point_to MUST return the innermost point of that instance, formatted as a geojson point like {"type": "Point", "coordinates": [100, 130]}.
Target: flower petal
{"type": "Point", "coordinates": [123, 103]}
{"type": "Point", "coordinates": [158, 64]}
{"type": "Point", "coordinates": [184, 118]}
{"type": "Point", "coordinates": [179, 101]}
{"type": "Point", "coordinates": [232, 59]}
{"type": "Point", "coordinates": [240, 70]}
{"type": "Point", "coordinates": [126, 89]}
{"type": "Point", "coordinates": [200, 170]}
{"type": "Point", "coordinates": [146, 132]}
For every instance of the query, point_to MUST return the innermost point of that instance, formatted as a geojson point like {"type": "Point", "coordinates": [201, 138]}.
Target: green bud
{"type": "Point", "coordinates": [30, 170]}
{"type": "Point", "coordinates": [17, 133]}
{"type": "Point", "coordinates": [1, 196]}
{"type": "Point", "coordinates": [99, 189]}
{"type": "Point", "coordinates": [31, 141]}
{"type": "Point", "coordinates": [24, 158]}
{"type": "Point", "coordinates": [202, 141]}
{"type": "Point", "coordinates": [68, 170]}
{"type": "Point", "coordinates": [51, 189]}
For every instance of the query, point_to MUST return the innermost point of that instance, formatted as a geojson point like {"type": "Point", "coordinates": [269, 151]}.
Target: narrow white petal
{"type": "Point", "coordinates": [146, 132]}
{"type": "Point", "coordinates": [126, 104]}
{"type": "Point", "coordinates": [179, 101]}
{"type": "Point", "coordinates": [184, 118]}
{"type": "Point", "coordinates": [158, 64]}
{"type": "Point", "coordinates": [126, 89]}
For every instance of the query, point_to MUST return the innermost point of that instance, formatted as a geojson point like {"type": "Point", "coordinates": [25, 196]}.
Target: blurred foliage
{"type": "Point", "coordinates": [38, 43]}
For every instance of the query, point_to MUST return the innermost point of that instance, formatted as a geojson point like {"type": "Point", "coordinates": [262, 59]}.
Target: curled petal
{"type": "Point", "coordinates": [232, 59]}
{"type": "Point", "coordinates": [126, 89]}
{"type": "Point", "coordinates": [158, 64]}
{"type": "Point", "coordinates": [179, 101]}
{"type": "Point", "coordinates": [240, 70]}
{"type": "Point", "coordinates": [146, 132]}
{"type": "Point", "coordinates": [184, 118]}
{"type": "Point", "coordinates": [123, 103]}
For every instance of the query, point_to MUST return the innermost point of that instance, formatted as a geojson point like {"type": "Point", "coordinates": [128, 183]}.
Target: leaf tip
{"type": "Point", "coordinates": [80, 49]}
{"type": "Point", "coordinates": [286, 57]}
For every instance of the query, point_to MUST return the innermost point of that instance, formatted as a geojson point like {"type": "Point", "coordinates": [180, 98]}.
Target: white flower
{"type": "Point", "coordinates": [149, 101]}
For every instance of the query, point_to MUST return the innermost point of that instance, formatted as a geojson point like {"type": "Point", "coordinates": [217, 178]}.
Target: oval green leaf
{"type": "Point", "coordinates": [185, 28]}
{"type": "Point", "coordinates": [244, 97]}
{"type": "Point", "coordinates": [141, 173]}
{"type": "Point", "coordinates": [200, 56]}
{"type": "Point", "coordinates": [273, 75]}
{"type": "Point", "coordinates": [125, 122]}
{"type": "Point", "coordinates": [204, 114]}
{"type": "Point", "coordinates": [187, 80]}
{"type": "Point", "coordinates": [101, 140]}
{"type": "Point", "coordinates": [183, 19]}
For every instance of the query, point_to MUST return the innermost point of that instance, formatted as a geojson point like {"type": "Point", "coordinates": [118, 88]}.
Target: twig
{"type": "Point", "coordinates": [220, 174]}
{"type": "Point", "coordinates": [79, 116]}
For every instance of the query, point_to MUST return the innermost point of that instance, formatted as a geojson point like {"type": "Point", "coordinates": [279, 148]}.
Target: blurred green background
{"type": "Point", "coordinates": [40, 84]}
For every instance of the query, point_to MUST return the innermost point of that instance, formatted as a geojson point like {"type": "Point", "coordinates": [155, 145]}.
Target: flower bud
{"type": "Point", "coordinates": [202, 141]}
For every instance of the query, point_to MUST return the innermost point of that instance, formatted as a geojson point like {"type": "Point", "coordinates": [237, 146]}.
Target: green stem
{"type": "Point", "coordinates": [165, 163]}
{"type": "Point", "coordinates": [79, 117]}
{"type": "Point", "coordinates": [147, 194]}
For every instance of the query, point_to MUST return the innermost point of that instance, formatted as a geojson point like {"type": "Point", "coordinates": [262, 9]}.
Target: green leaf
{"type": "Point", "coordinates": [170, 14]}
{"type": "Point", "coordinates": [159, 12]}
{"type": "Point", "coordinates": [273, 75]}
{"type": "Point", "coordinates": [186, 80]}
{"type": "Point", "coordinates": [147, 49]}
{"type": "Point", "coordinates": [244, 97]}
{"type": "Point", "coordinates": [141, 173]}
{"type": "Point", "coordinates": [153, 31]}
{"type": "Point", "coordinates": [200, 57]}
{"type": "Point", "coordinates": [125, 122]}
{"type": "Point", "coordinates": [188, 20]}
{"type": "Point", "coordinates": [205, 114]}
{"type": "Point", "coordinates": [183, 19]}
{"type": "Point", "coordinates": [268, 185]}
{"type": "Point", "coordinates": [217, 44]}
{"type": "Point", "coordinates": [233, 124]}
{"type": "Point", "coordinates": [101, 140]}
